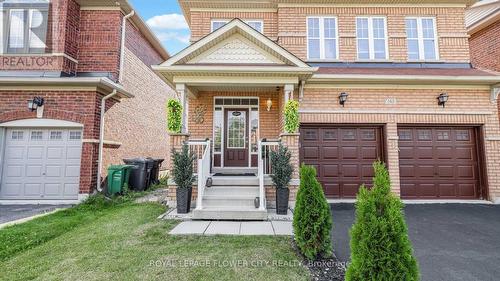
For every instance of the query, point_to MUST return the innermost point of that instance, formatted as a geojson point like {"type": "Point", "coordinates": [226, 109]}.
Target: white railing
{"type": "Point", "coordinates": [202, 151]}
{"type": "Point", "coordinates": [265, 166]}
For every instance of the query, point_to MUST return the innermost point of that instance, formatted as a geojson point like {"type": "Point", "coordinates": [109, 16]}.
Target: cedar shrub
{"type": "Point", "coordinates": [281, 167]}
{"type": "Point", "coordinates": [380, 247]}
{"type": "Point", "coordinates": [312, 220]}
{"type": "Point", "coordinates": [292, 116]}
{"type": "Point", "coordinates": [182, 170]}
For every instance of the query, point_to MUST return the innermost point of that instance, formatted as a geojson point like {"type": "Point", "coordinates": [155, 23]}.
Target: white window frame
{"type": "Point", "coordinates": [420, 38]}
{"type": "Point", "coordinates": [212, 22]}
{"type": "Point", "coordinates": [371, 39]}
{"type": "Point", "coordinates": [247, 21]}
{"type": "Point", "coordinates": [322, 38]}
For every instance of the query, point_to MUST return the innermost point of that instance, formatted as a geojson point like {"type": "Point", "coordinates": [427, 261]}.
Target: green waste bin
{"type": "Point", "coordinates": [118, 176]}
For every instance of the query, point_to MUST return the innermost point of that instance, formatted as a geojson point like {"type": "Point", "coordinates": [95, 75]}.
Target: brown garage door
{"type": "Point", "coordinates": [439, 163]}
{"type": "Point", "coordinates": [343, 156]}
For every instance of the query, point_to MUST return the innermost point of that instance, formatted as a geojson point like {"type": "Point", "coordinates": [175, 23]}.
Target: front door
{"type": "Point", "coordinates": [236, 138]}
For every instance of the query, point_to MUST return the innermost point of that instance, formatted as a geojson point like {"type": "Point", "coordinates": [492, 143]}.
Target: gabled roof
{"type": "Point", "coordinates": [241, 33]}
{"type": "Point", "coordinates": [482, 14]}
{"type": "Point", "coordinates": [234, 49]}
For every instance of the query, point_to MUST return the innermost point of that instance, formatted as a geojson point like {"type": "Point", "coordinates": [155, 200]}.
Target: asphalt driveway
{"type": "Point", "coordinates": [451, 241]}
{"type": "Point", "coordinates": [10, 213]}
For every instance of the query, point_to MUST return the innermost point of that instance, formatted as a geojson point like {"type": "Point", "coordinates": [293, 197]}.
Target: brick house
{"type": "Point", "coordinates": [483, 27]}
{"type": "Point", "coordinates": [369, 77]}
{"type": "Point", "coordinates": [77, 56]}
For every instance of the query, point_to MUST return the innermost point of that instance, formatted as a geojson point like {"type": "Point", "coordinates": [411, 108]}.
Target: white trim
{"type": "Point", "coordinates": [388, 111]}
{"type": "Point", "coordinates": [371, 39]}
{"type": "Point", "coordinates": [420, 38]}
{"type": "Point", "coordinates": [41, 123]}
{"type": "Point", "coordinates": [322, 39]}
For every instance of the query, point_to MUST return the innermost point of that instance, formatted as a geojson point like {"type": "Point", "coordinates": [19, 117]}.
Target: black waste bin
{"type": "Point", "coordinates": [155, 173]}
{"type": "Point", "coordinates": [140, 176]}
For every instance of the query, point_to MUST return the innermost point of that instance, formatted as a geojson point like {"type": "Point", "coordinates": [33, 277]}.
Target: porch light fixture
{"type": "Point", "coordinates": [343, 98]}
{"type": "Point", "coordinates": [269, 104]}
{"type": "Point", "coordinates": [442, 99]}
{"type": "Point", "coordinates": [35, 103]}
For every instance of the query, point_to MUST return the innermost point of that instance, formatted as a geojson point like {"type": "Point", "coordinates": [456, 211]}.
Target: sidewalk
{"type": "Point", "coordinates": [233, 228]}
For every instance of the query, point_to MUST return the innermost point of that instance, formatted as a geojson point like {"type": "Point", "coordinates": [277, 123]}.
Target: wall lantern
{"type": "Point", "coordinates": [269, 104]}
{"type": "Point", "coordinates": [343, 98]}
{"type": "Point", "coordinates": [442, 99]}
{"type": "Point", "coordinates": [35, 103]}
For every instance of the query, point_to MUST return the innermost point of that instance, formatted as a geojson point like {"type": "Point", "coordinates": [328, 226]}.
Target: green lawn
{"type": "Point", "coordinates": [125, 241]}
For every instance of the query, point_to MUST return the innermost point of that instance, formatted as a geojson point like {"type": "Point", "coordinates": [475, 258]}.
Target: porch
{"type": "Point", "coordinates": [232, 135]}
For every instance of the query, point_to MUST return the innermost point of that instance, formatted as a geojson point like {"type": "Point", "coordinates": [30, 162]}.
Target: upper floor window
{"type": "Point", "coordinates": [255, 24]}
{"type": "Point", "coordinates": [25, 27]}
{"type": "Point", "coordinates": [371, 33]}
{"type": "Point", "coordinates": [322, 38]}
{"type": "Point", "coordinates": [421, 37]}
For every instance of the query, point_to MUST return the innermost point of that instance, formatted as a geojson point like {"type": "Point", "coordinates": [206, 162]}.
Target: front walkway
{"type": "Point", "coordinates": [458, 242]}
{"type": "Point", "coordinates": [233, 228]}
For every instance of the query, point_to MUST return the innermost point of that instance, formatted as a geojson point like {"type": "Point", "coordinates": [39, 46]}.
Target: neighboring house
{"type": "Point", "coordinates": [483, 26]}
{"type": "Point", "coordinates": [76, 55]}
{"type": "Point", "coordinates": [393, 60]}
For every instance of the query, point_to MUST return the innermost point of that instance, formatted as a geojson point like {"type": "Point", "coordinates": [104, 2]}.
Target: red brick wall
{"type": "Point", "coordinates": [140, 46]}
{"type": "Point", "coordinates": [80, 106]}
{"type": "Point", "coordinates": [100, 34]}
{"type": "Point", "coordinates": [485, 47]}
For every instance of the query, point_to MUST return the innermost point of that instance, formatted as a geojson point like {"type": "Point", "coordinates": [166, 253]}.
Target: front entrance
{"type": "Point", "coordinates": [236, 138]}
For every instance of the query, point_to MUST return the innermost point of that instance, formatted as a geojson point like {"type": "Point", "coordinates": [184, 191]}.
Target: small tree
{"type": "Point", "coordinates": [183, 176]}
{"type": "Point", "coordinates": [281, 167]}
{"type": "Point", "coordinates": [380, 247]}
{"type": "Point", "coordinates": [174, 116]}
{"type": "Point", "coordinates": [312, 220]}
{"type": "Point", "coordinates": [292, 116]}
{"type": "Point", "coordinates": [281, 175]}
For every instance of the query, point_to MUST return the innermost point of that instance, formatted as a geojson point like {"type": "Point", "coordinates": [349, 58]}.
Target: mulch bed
{"type": "Point", "coordinates": [329, 269]}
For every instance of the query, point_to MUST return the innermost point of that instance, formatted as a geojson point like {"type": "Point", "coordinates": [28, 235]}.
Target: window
{"type": "Point", "coordinates": [17, 135]}
{"type": "Point", "coordinates": [216, 24]}
{"type": "Point", "coordinates": [421, 39]}
{"type": "Point", "coordinates": [75, 135]}
{"type": "Point", "coordinates": [36, 135]}
{"type": "Point", "coordinates": [255, 24]}
{"type": "Point", "coordinates": [371, 33]}
{"type": "Point", "coordinates": [218, 120]}
{"type": "Point", "coordinates": [322, 42]}
{"type": "Point", "coordinates": [55, 135]}
{"type": "Point", "coordinates": [25, 27]}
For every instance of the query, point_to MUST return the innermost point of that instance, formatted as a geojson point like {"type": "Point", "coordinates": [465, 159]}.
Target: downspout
{"type": "Point", "coordinates": [112, 94]}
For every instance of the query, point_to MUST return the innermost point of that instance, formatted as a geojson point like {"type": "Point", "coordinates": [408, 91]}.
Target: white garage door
{"type": "Point", "coordinates": [41, 164]}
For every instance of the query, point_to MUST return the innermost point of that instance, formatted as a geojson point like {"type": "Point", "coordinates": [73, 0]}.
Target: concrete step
{"type": "Point", "coordinates": [235, 180]}
{"type": "Point", "coordinates": [229, 213]}
{"type": "Point", "coordinates": [228, 201]}
{"type": "Point", "coordinates": [236, 170]}
{"type": "Point", "coordinates": [251, 191]}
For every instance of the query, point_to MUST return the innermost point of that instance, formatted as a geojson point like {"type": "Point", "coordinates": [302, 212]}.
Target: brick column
{"type": "Point", "coordinates": [392, 161]}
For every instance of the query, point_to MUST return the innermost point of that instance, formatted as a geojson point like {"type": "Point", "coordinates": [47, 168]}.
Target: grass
{"type": "Point", "coordinates": [121, 240]}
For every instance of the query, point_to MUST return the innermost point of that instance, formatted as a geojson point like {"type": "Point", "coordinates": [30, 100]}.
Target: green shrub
{"type": "Point", "coordinates": [182, 170]}
{"type": "Point", "coordinates": [281, 167]}
{"type": "Point", "coordinates": [174, 116]}
{"type": "Point", "coordinates": [380, 247]}
{"type": "Point", "coordinates": [312, 220]}
{"type": "Point", "coordinates": [292, 116]}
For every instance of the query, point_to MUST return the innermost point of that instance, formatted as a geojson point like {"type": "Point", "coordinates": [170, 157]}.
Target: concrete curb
{"type": "Point", "coordinates": [23, 220]}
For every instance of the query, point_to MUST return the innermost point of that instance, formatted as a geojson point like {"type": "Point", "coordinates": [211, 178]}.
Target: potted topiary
{"type": "Point", "coordinates": [281, 175]}
{"type": "Point", "coordinates": [183, 176]}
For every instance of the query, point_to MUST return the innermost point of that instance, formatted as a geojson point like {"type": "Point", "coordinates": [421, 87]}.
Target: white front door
{"type": "Point", "coordinates": [41, 164]}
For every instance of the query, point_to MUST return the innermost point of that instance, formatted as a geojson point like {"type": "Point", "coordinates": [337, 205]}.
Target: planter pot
{"type": "Point", "coordinates": [282, 195]}
{"type": "Point", "coordinates": [184, 200]}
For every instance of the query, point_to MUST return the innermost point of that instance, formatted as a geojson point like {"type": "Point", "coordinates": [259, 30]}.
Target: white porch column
{"type": "Point", "coordinates": [182, 93]}
{"type": "Point", "coordinates": [289, 88]}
